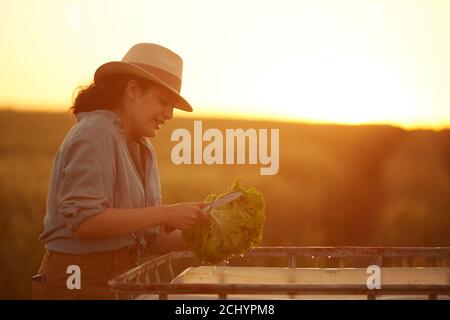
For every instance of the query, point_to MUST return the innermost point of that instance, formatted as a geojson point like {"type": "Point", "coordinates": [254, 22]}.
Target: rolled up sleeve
{"type": "Point", "coordinates": [87, 185]}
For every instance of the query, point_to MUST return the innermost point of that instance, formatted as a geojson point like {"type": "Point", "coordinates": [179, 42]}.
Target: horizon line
{"type": "Point", "coordinates": [252, 117]}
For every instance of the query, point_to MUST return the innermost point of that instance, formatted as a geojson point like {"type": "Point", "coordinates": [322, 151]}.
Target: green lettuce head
{"type": "Point", "coordinates": [232, 229]}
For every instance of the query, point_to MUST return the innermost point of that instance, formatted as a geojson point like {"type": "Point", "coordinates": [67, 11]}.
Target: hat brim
{"type": "Point", "coordinates": [115, 67]}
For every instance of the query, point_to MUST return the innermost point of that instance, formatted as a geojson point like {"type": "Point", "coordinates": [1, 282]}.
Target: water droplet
{"type": "Point", "coordinates": [329, 257]}
{"type": "Point", "coordinates": [312, 257]}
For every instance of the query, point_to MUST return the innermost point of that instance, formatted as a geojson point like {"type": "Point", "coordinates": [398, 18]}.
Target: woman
{"type": "Point", "coordinates": [104, 205]}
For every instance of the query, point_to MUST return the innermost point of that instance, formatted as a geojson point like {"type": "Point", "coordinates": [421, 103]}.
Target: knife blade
{"type": "Point", "coordinates": [222, 200]}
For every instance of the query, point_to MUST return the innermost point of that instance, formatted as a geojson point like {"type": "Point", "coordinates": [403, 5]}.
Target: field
{"type": "Point", "coordinates": [336, 185]}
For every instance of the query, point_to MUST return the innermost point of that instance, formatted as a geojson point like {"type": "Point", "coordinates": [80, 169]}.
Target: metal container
{"type": "Point", "coordinates": [423, 273]}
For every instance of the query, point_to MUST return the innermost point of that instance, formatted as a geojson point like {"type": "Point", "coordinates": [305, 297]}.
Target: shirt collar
{"type": "Point", "coordinates": [111, 115]}
{"type": "Point", "coordinates": [116, 119]}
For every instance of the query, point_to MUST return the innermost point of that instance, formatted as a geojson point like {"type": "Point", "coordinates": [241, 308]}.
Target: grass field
{"type": "Point", "coordinates": [337, 185]}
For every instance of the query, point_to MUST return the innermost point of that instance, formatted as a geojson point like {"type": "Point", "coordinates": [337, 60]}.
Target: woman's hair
{"type": "Point", "coordinates": [105, 93]}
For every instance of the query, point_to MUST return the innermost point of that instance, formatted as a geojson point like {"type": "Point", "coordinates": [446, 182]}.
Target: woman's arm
{"type": "Point", "coordinates": [115, 222]}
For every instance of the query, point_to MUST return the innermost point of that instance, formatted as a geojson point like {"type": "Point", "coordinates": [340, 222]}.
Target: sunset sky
{"type": "Point", "coordinates": [346, 61]}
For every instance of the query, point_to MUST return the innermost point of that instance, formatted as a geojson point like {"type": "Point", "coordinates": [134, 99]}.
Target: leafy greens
{"type": "Point", "coordinates": [232, 229]}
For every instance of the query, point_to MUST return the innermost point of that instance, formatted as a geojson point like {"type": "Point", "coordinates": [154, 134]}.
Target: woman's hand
{"type": "Point", "coordinates": [184, 215]}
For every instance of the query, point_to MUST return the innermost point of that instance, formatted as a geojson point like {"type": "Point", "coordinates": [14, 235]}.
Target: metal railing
{"type": "Point", "coordinates": [146, 278]}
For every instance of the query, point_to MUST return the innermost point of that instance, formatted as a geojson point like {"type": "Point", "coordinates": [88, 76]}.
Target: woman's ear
{"type": "Point", "coordinates": [132, 91]}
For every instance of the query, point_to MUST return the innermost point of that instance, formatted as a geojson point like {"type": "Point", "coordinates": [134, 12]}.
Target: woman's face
{"type": "Point", "coordinates": [147, 110]}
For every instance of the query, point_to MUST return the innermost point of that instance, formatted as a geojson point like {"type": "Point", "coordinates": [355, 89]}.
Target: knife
{"type": "Point", "coordinates": [213, 205]}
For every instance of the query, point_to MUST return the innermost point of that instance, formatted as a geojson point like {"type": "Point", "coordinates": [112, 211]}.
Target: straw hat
{"type": "Point", "coordinates": [154, 62]}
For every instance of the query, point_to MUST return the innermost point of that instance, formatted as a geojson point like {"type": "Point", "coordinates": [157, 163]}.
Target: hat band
{"type": "Point", "coordinates": [163, 75]}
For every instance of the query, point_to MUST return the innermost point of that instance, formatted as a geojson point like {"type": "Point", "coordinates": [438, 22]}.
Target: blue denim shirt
{"type": "Point", "coordinates": [93, 170]}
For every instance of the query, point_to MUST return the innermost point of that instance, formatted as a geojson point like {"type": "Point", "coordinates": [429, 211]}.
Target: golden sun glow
{"type": "Point", "coordinates": [349, 61]}
{"type": "Point", "coordinates": [340, 90]}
